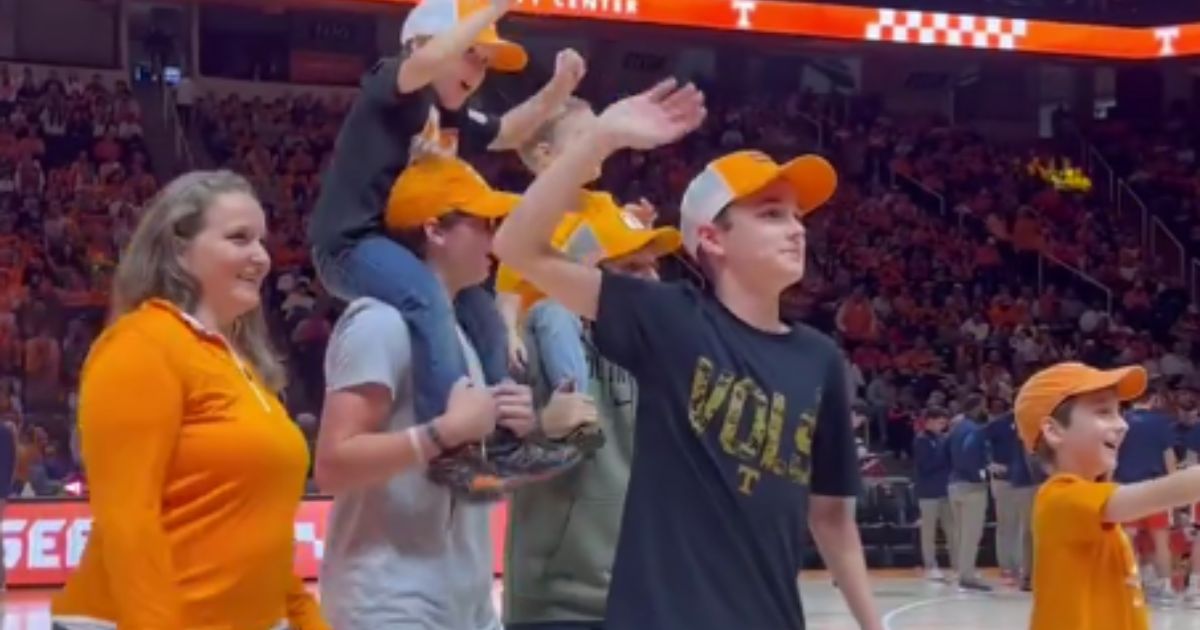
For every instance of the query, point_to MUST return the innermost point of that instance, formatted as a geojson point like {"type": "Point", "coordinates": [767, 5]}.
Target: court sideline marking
{"type": "Point", "coordinates": [922, 603]}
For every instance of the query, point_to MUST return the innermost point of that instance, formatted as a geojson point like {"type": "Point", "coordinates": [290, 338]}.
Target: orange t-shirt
{"type": "Point", "coordinates": [859, 320]}
{"type": "Point", "coordinates": [1084, 572]}
{"type": "Point", "coordinates": [1027, 234]}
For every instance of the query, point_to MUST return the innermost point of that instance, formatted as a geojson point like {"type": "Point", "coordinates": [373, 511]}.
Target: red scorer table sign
{"type": "Point", "coordinates": [44, 540]}
{"type": "Point", "coordinates": [928, 28]}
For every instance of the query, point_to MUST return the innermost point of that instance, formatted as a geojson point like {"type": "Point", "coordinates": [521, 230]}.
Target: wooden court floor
{"type": "Point", "coordinates": [908, 602]}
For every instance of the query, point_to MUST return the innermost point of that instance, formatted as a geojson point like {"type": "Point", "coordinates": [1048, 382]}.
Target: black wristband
{"type": "Point", "coordinates": [436, 437]}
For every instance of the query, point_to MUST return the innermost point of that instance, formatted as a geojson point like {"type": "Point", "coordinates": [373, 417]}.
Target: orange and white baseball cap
{"type": "Point", "coordinates": [509, 281]}
{"type": "Point", "coordinates": [436, 186]}
{"type": "Point", "coordinates": [743, 174]}
{"type": "Point", "coordinates": [616, 233]}
{"type": "Point", "coordinates": [434, 17]}
{"type": "Point", "coordinates": [1049, 388]}
{"type": "Point", "coordinates": [601, 231]}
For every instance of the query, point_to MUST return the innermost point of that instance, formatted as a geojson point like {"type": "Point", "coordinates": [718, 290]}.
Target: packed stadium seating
{"type": "Point", "coordinates": [73, 173]}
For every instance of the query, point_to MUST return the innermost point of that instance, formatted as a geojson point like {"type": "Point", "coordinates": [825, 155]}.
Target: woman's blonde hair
{"type": "Point", "coordinates": [150, 266]}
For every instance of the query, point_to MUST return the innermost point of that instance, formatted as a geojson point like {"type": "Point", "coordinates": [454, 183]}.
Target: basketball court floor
{"type": "Point", "coordinates": [908, 604]}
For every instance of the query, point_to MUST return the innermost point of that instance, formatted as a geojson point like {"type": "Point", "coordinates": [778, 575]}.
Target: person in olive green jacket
{"type": "Point", "coordinates": [562, 534]}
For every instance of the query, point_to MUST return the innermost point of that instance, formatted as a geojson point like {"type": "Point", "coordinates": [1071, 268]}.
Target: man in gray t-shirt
{"type": "Point", "coordinates": [401, 552]}
{"type": "Point", "coordinates": [404, 553]}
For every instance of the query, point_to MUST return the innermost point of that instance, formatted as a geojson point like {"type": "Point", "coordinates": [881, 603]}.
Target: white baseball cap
{"type": "Point", "coordinates": [743, 174]}
{"type": "Point", "coordinates": [434, 17]}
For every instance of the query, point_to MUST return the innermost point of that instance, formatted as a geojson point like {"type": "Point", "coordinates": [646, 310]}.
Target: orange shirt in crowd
{"type": "Point", "coordinates": [42, 359]}
{"type": "Point", "coordinates": [1084, 572]}
{"type": "Point", "coordinates": [196, 473]}
{"type": "Point", "coordinates": [1027, 234]}
{"type": "Point", "coordinates": [857, 320]}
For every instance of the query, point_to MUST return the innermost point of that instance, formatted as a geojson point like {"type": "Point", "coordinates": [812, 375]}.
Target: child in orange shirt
{"type": "Point", "coordinates": [1084, 573]}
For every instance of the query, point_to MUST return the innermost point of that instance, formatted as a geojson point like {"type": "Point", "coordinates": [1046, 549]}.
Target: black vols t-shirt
{"type": "Point", "coordinates": [373, 147]}
{"type": "Point", "coordinates": [735, 427]}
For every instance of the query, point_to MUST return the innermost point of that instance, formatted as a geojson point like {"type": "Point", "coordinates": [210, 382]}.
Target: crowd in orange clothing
{"type": "Point", "coordinates": [925, 301]}
{"type": "Point", "coordinates": [73, 174]}
{"type": "Point", "coordinates": [948, 304]}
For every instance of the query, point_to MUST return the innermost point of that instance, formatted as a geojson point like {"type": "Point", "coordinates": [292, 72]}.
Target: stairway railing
{"type": "Point", "coordinates": [184, 156]}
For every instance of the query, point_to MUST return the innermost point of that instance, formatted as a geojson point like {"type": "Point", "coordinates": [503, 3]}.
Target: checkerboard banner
{"type": "Point", "coordinates": [944, 29]}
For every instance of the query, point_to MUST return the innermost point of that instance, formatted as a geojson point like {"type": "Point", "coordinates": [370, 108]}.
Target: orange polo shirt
{"type": "Point", "coordinates": [1084, 572]}
{"type": "Point", "coordinates": [195, 473]}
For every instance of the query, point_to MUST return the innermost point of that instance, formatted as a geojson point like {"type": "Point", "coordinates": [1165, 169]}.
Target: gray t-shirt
{"type": "Point", "coordinates": [404, 554]}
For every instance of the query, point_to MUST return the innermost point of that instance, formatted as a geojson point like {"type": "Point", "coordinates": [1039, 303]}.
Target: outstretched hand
{"type": "Point", "coordinates": [661, 115]}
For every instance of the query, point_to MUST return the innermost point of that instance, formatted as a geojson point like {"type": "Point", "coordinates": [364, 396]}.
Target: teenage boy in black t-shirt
{"type": "Point", "coordinates": [746, 437]}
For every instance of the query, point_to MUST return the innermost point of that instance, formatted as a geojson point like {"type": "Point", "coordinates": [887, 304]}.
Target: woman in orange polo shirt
{"type": "Point", "coordinates": [195, 469]}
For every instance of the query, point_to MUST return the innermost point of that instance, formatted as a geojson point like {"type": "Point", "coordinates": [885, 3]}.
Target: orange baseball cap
{"type": "Point", "coordinates": [434, 17]}
{"type": "Point", "coordinates": [436, 186]}
{"type": "Point", "coordinates": [1047, 389]}
{"type": "Point", "coordinates": [745, 173]}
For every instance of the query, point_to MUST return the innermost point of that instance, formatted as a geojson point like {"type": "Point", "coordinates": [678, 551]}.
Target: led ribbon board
{"type": "Point", "coordinates": [927, 28]}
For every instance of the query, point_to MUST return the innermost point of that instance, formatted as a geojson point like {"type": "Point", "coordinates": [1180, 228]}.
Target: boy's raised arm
{"type": "Point", "coordinates": [653, 118]}
{"type": "Point", "coordinates": [1139, 500]}
{"type": "Point", "coordinates": [519, 123]}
